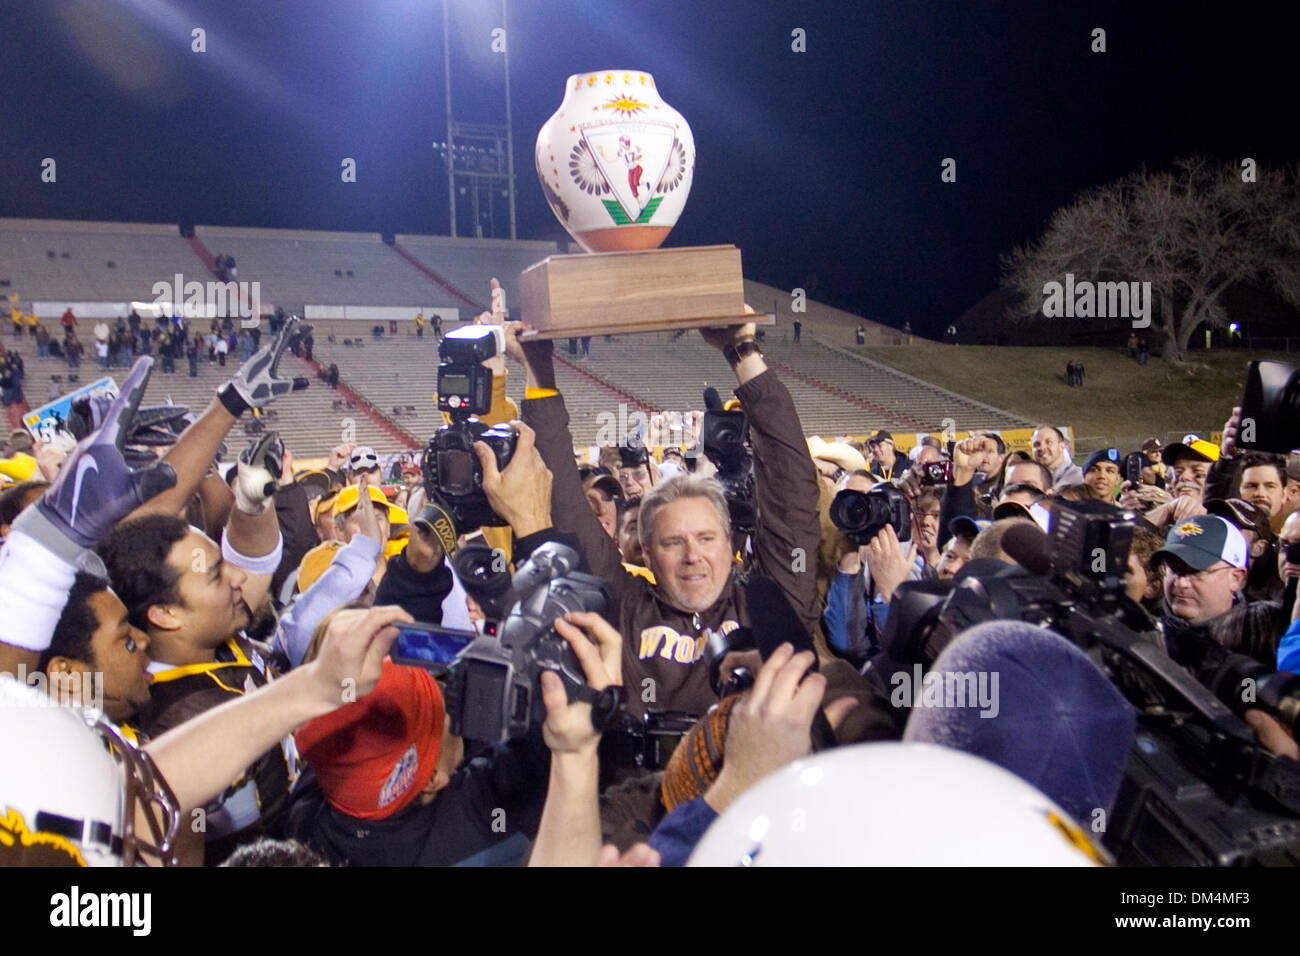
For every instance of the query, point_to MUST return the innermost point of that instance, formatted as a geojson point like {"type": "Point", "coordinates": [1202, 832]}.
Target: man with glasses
{"type": "Point", "coordinates": [1203, 568]}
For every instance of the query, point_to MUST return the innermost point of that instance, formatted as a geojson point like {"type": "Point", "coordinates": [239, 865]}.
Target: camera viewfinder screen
{"type": "Point", "coordinates": [425, 645]}
{"type": "Point", "coordinates": [453, 384]}
{"type": "Point", "coordinates": [456, 472]}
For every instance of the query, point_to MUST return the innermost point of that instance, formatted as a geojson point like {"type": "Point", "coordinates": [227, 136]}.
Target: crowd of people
{"type": "Point", "coordinates": [232, 619]}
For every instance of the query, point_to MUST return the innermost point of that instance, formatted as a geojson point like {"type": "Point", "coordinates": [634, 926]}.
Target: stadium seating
{"type": "Point", "coordinates": [837, 392]}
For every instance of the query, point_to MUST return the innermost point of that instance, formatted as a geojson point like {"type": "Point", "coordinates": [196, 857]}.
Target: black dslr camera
{"type": "Point", "coordinates": [862, 514]}
{"type": "Point", "coordinates": [725, 438]}
{"type": "Point", "coordinates": [493, 693]}
{"type": "Point", "coordinates": [452, 473]}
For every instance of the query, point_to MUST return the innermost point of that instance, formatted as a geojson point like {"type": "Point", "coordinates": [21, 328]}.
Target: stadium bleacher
{"type": "Point", "coordinates": [837, 392]}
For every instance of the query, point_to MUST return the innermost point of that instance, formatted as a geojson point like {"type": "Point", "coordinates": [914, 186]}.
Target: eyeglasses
{"type": "Point", "coordinates": [1169, 571]}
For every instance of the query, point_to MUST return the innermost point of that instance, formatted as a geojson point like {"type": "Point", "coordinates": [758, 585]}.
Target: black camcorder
{"type": "Point", "coordinates": [451, 470]}
{"type": "Point", "coordinates": [493, 692]}
{"type": "Point", "coordinates": [725, 438]}
{"type": "Point", "coordinates": [862, 514]}
{"type": "Point", "coordinates": [1198, 789]}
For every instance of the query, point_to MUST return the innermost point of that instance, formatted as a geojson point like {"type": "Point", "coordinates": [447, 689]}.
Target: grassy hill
{"type": "Point", "coordinates": [1120, 404]}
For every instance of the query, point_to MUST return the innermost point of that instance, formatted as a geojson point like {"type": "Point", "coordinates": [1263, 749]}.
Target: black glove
{"type": "Point", "coordinates": [96, 487]}
{"type": "Point", "coordinates": [157, 426]}
{"type": "Point", "coordinates": [258, 383]}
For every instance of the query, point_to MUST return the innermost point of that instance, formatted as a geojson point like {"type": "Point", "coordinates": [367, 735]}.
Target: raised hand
{"type": "Point", "coordinates": [258, 381]}
{"type": "Point", "coordinates": [521, 494]}
{"type": "Point", "coordinates": [599, 648]}
{"type": "Point", "coordinates": [96, 486]}
{"type": "Point", "coordinates": [261, 465]}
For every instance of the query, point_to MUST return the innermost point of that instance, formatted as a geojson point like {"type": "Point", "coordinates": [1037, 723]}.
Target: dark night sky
{"type": "Point", "coordinates": [824, 163]}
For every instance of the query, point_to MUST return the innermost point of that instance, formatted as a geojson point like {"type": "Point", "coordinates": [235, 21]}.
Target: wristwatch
{"type": "Point", "coordinates": [737, 353]}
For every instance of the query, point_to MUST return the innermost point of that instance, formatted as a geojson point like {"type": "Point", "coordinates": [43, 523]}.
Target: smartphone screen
{"type": "Point", "coordinates": [429, 646]}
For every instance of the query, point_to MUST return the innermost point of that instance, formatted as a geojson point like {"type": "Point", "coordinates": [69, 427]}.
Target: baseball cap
{"type": "Point", "coordinates": [348, 497]}
{"type": "Point", "coordinates": [363, 458]}
{"type": "Point", "coordinates": [606, 483]}
{"type": "Point", "coordinates": [1036, 513]}
{"type": "Point", "coordinates": [372, 757]}
{"type": "Point", "coordinates": [1192, 446]}
{"type": "Point", "coordinates": [883, 435]}
{"type": "Point", "coordinates": [1202, 541]}
{"type": "Point", "coordinates": [1243, 514]}
{"type": "Point", "coordinates": [964, 526]}
{"type": "Point", "coordinates": [1101, 454]}
{"type": "Point", "coordinates": [315, 562]}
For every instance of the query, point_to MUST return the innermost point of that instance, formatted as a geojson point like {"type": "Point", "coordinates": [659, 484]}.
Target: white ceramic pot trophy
{"type": "Point", "coordinates": [616, 161]}
{"type": "Point", "coordinates": [616, 164]}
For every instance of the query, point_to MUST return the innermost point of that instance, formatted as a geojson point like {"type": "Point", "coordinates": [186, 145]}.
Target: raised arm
{"type": "Point", "coordinates": [544, 411]}
{"type": "Point", "coordinates": [200, 757]}
{"type": "Point", "coordinates": [255, 385]}
{"type": "Point", "coordinates": [789, 528]}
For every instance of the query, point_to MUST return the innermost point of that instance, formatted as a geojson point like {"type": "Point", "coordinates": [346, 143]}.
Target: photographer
{"type": "Point", "coordinates": [857, 605]}
{"type": "Point", "coordinates": [685, 530]}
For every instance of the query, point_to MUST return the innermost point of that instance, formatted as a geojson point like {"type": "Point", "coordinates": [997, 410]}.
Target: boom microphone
{"type": "Point", "coordinates": [1027, 545]}
{"type": "Point", "coordinates": [712, 400]}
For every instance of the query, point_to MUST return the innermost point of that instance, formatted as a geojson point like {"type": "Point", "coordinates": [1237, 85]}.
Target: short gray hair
{"type": "Point", "coordinates": [681, 485]}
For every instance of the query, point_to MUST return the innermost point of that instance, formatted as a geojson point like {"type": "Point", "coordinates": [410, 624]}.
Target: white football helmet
{"type": "Point", "coordinates": [70, 785]}
{"type": "Point", "coordinates": [894, 804]}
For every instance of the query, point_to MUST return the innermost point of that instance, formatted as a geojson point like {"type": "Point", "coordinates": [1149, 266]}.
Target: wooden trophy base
{"type": "Point", "coordinates": [607, 293]}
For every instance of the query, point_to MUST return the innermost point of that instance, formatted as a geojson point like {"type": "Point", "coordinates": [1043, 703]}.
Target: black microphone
{"type": "Point", "coordinates": [772, 619]}
{"type": "Point", "coordinates": [712, 400]}
{"type": "Point", "coordinates": [1026, 544]}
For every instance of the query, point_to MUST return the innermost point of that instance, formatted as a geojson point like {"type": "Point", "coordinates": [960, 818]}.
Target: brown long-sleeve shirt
{"type": "Point", "coordinates": [664, 646]}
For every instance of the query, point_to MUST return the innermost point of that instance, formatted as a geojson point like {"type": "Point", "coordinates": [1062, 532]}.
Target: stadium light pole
{"type": "Point", "coordinates": [510, 141]}
{"type": "Point", "coordinates": [451, 153]}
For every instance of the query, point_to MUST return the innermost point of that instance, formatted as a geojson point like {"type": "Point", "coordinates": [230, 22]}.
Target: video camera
{"type": "Point", "coordinates": [1199, 789]}
{"type": "Point", "coordinates": [493, 691]}
{"type": "Point", "coordinates": [725, 438]}
{"type": "Point", "coordinates": [451, 470]}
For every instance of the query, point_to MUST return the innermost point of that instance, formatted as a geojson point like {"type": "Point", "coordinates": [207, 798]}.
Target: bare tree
{"type": "Point", "coordinates": [1193, 233]}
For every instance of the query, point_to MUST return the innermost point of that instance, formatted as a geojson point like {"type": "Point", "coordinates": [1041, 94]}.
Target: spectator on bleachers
{"type": "Point", "coordinates": [69, 320]}
{"type": "Point", "coordinates": [419, 325]}
{"type": "Point", "coordinates": [73, 348]}
{"type": "Point", "coordinates": [42, 341]}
